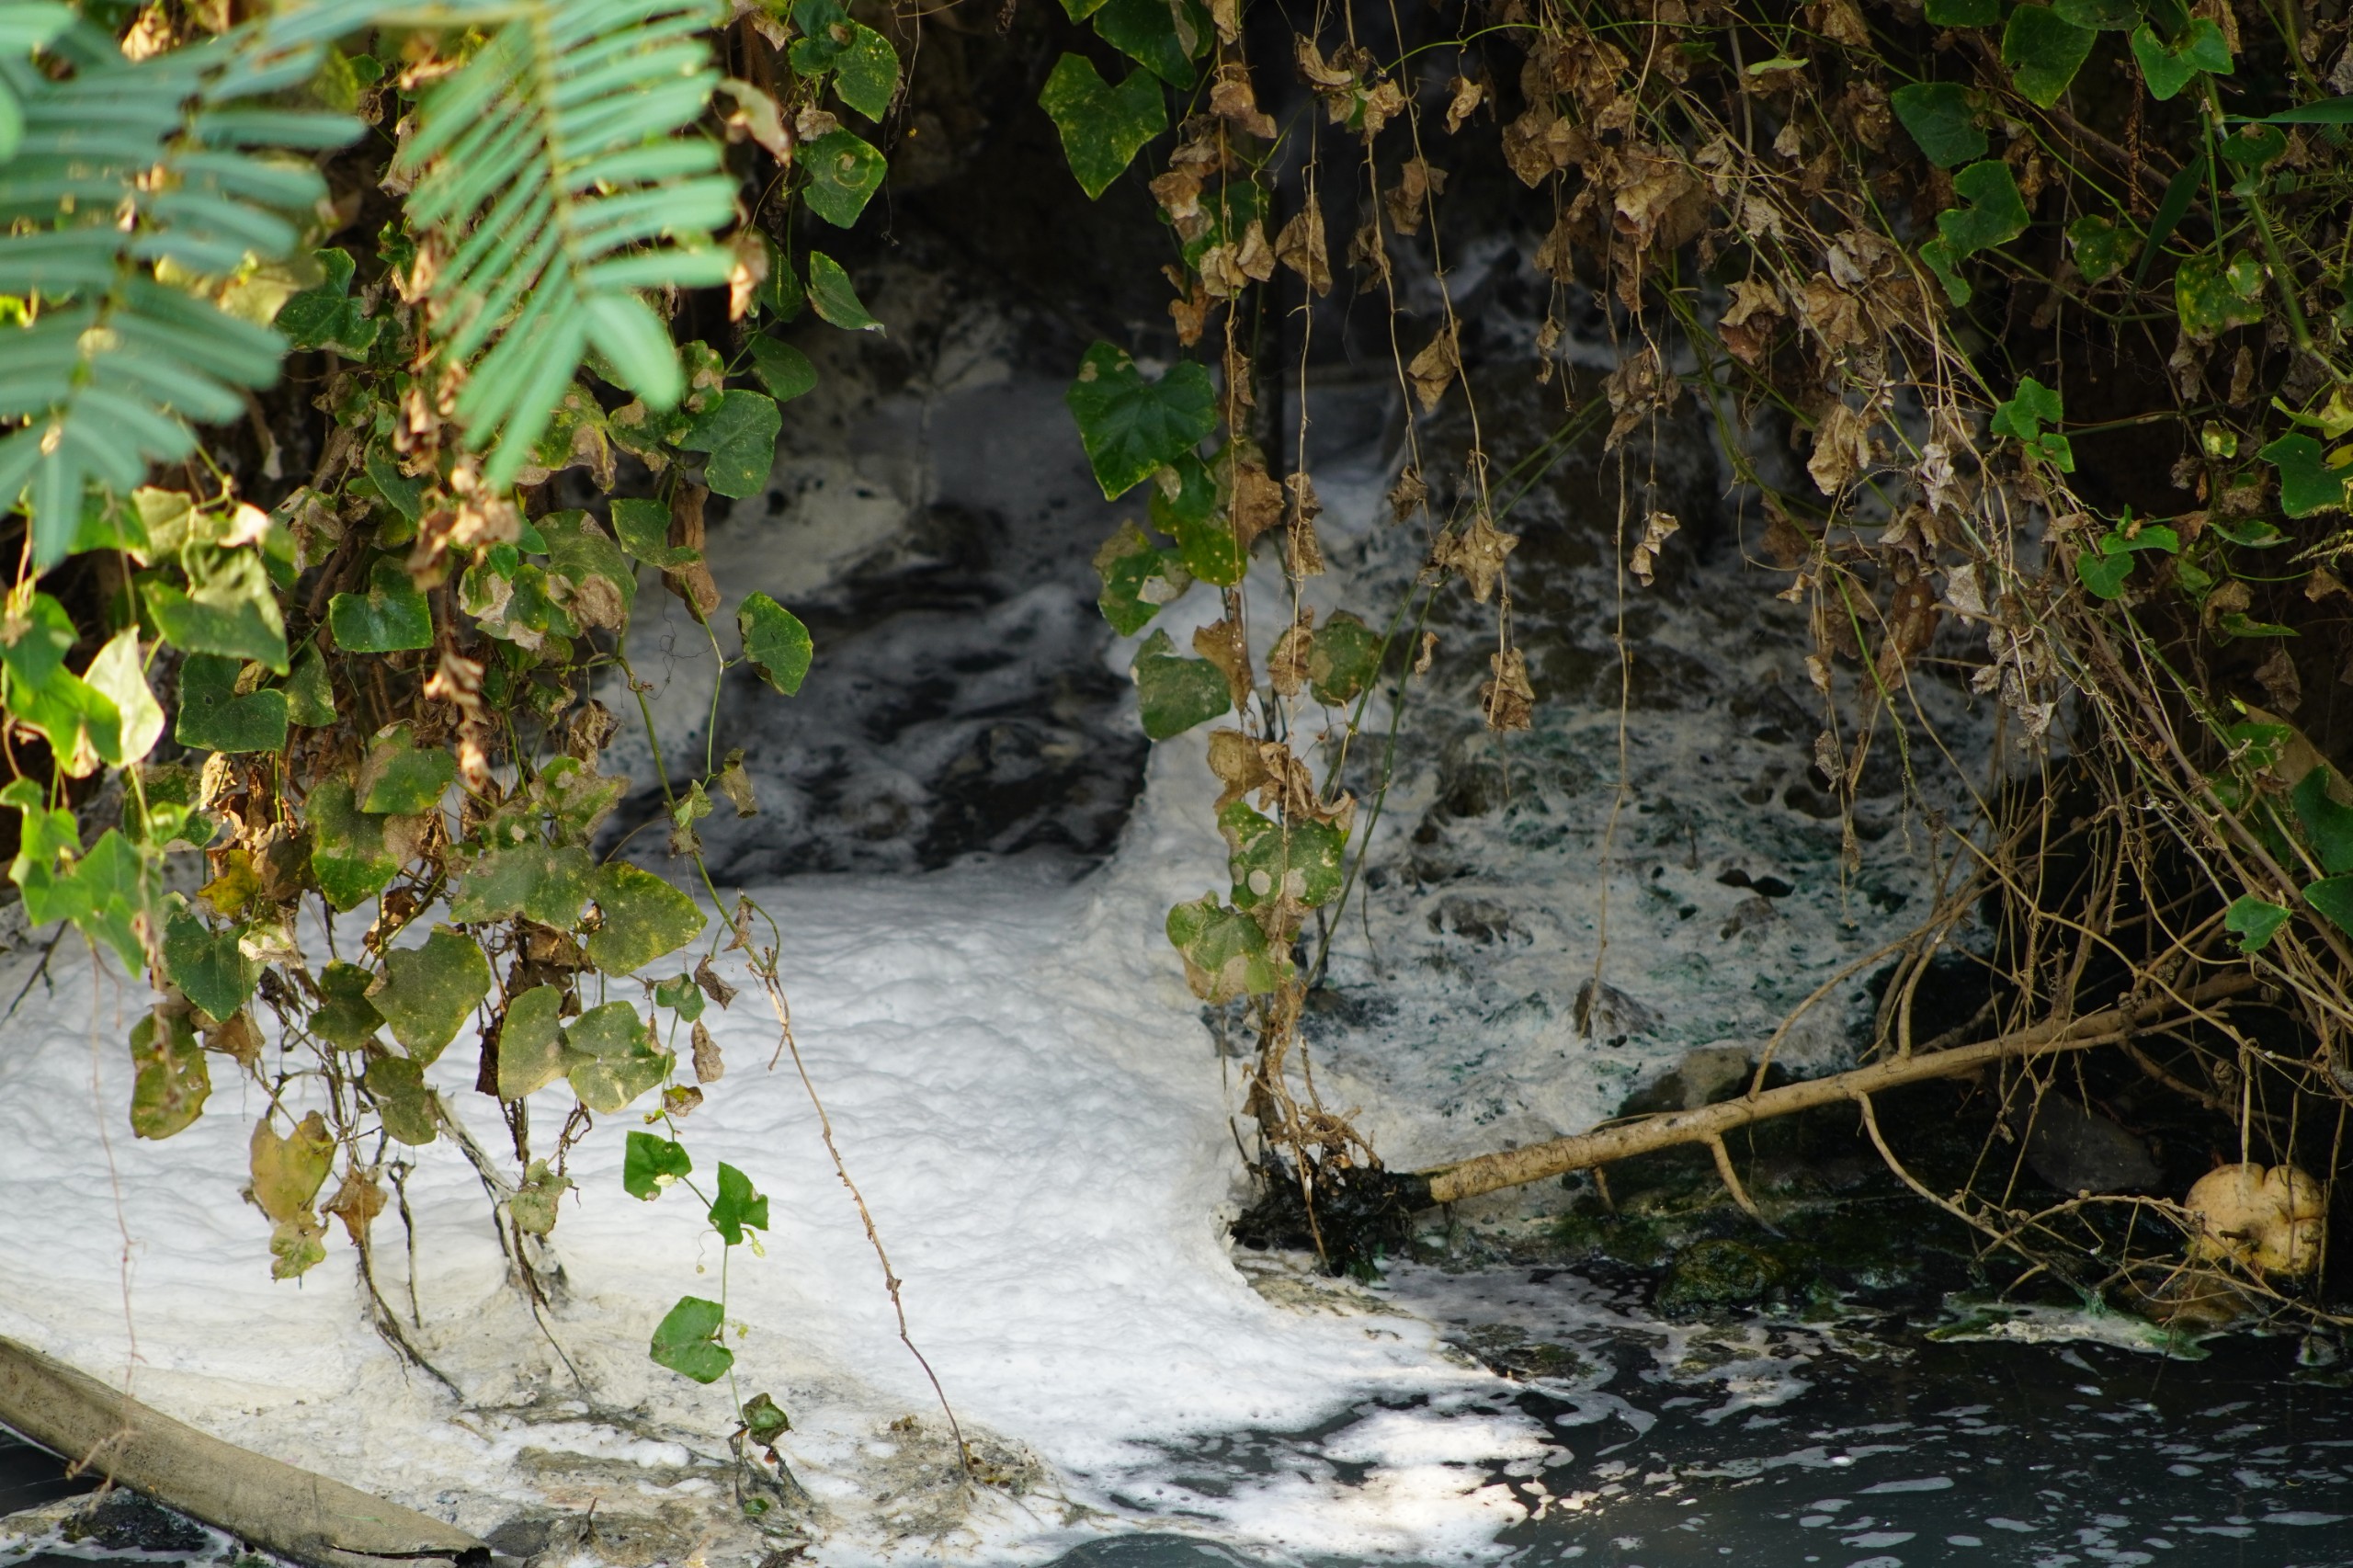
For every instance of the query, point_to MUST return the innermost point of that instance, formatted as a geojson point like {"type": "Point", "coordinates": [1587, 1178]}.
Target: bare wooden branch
{"type": "Point", "coordinates": [294, 1513]}
{"type": "Point", "coordinates": [1516, 1167]}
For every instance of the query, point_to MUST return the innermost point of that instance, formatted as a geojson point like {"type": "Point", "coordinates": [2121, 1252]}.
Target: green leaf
{"type": "Point", "coordinates": [1132, 427]}
{"type": "Point", "coordinates": [169, 1084]}
{"type": "Point", "coordinates": [206, 965]}
{"type": "Point", "coordinates": [682, 996]}
{"type": "Point", "coordinates": [2212, 298]}
{"type": "Point", "coordinates": [782, 369]}
{"type": "Point", "coordinates": [1937, 114]}
{"type": "Point", "coordinates": [1163, 36]}
{"type": "Point", "coordinates": [310, 697]}
{"type": "Point", "coordinates": [328, 316]}
{"type": "Point", "coordinates": [399, 777]}
{"type": "Point", "coordinates": [579, 550]}
{"type": "Point", "coordinates": [537, 1201]}
{"type": "Point", "coordinates": [213, 718]}
{"type": "Point", "coordinates": [866, 73]}
{"type": "Point", "coordinates": [644, 918]}
{"type": "Point", "coordinates": [2328, 827]}
{"type": "Point", "coordinates": [1137, 579]}
{"type": "Point", "coordinates": [2180, 192]}
{"type": "Point", "coordinates": [2255, 920]}
{"type": "Point", "coordinates": [1103, 127]}
{"type": "Point", "coordinates": [2327, 111]}
{"type": "Point", "coordinates": [739, 432]}
{"type": "Point", "coordinates": [836, 301]}
{"type": "Point", "coordinates": [1301, 859]}
{"type": "Point", "coordinates": [1175, 694]}
{"type": "Point", "coordinates": [41, 639]}
{"type": "Point", "coordinates": [2101, 15]}
{"type": "Point", "coordinates": [2333, 896]}
{"type": "Point", "coordinates": [2309, 481]}
{"type": "Point", "coordinates": [649, 1165]}
{"type": "Point", "coordinates": [611, 1059]}
{"type": "Point", "coordinates": [1343, 659]}
{"type": "Point", "coordinates": [764, 1420]}
{"type": "Point", "coordinates": [2023, 416]}
{"type": "Point", "coordinates": [388, 617]}
{"type": "Point", "coordinates": [687, 1340]}
{"type": "Point", "coordinates": [427, 992]}
{"type": "Point", "coordinates": [2251, 148]}
{"type": "Point", "coordinates": [1994, 214]}
{"type": "Point", "coordinates": [116, 676]}
{"type": "Point", "coordinates": [2043, 51]}
{"type": "Point", "coordinates": [2168, 71]}
{"type": "Point", "coordinates": [737, 1206]}
{"type": "Point", "coordinates": [402, 1102]}
{"type": "Point", "coordinates": [531, 1043]}
{"type": "Point", "coordinates": [1184, 506]}
{"type": "Point", "coordinates": [2104, 576]}
{"type": "Point", "coordinates": [1963, 13]}
{"type": "Point", "coordinates": [234, 614]}
{"type": "Point", "coordinates": [403, 493]}
{"type": "Point", "coordinates": [844, 171]}
{"type": "Point", "coordinates": [776, 643]}
{"type": "Point", "coordinates": [1226, 955]}
{"type": "Point", "coordinates": [826, 36]}
{"type": "Point", "coordinates": [534, 879]}
{"type": "Point", "coordinates": [350, 857]}
{"type": "Point", "coordinates": [346, 1018]}
{"type": "Point", "coordinates": [2102, 248]}
{"type": "Point", "coordinates": [644, 528]}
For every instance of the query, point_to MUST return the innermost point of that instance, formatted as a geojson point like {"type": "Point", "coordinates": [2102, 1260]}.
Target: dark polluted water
{"type": "Point", "coordinates": [1908, 1454]}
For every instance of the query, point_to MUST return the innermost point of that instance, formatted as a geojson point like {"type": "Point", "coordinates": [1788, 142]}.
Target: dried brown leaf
{"type": "Point", "coordinates": [1657, 528]}
{"type": "Point", "coordinates": [1225, 645]}
{"type": "Point", "coordinates": [1434, 368]}
{"type": "Point", "coordinates": [1507, 701]}
{"type": "Point", "coordinates": [709, 1066]}
{"type": "Point", "coordinates": [1477, 553]}
{"type": "Point", "coordinates": [1301, 247]}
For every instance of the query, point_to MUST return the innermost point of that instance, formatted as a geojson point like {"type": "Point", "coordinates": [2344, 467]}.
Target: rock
{"type": "Point", "coordinates": [1604, 1012]}
{"type": "Point", "coordinates": [2075, 1149]}
{"type": "Point", "coordinates": [1717, 1273]}
{"type": "Point", "coordinates": [2272, 1220]}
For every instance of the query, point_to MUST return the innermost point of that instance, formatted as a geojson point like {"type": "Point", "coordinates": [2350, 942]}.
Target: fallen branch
{"type": "Point", "coordinates": [1708, 1125]}
{"type": "Point", "coordinates": [290, 1512]}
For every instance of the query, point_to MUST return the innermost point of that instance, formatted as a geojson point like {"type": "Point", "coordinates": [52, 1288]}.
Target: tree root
{"type": "Point", "coordinates": [1707, 1125]}
{"type": "Point", "coordinates": [294, 1513]}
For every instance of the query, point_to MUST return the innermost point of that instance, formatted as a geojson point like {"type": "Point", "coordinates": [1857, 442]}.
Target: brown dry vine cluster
{"type": "Point", "coordinates": [2050, 303]}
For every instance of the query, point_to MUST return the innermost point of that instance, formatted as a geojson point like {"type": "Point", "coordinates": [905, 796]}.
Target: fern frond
{"type": "Point", "coordinates": [547, 163]}
{"type": "Point", "coordinates": [116, 168]}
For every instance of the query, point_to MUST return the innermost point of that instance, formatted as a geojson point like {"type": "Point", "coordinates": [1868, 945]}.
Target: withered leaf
{"type": "Point", "coordinates": [1287, 660]}
{"type": "Point", "coordinates": [1225, 645]}
{"type": "Point", "coordinates": [715, 988]}
{"type": "Point", "coordinates": [709, 1066]}
{"type": "Point", "coordinates": [356, 1202]}
{"type": "Point", "coordinates": [1434, 368]}
{"type": "Point", "coordinates": [1232, 100]}
{"type": "Point", "coordinates": [1842, 449]}
{"type": "Point", "coordinates": [1409, 199]}
{"type": "Point", "coordinates": [1235, 759]}
{"type": "Point", "coordinates": [1301, 247]}
{"type": "Point", "coordinates": [1464, 96]}
{"type": "Point", "coordinates": [1507, 701]}
{"type": "Point", "coordinates": [1477, 552]}
{"type": "Point", "coordinates": [1657, 528]}
{"type": "Point", "coordinates": [1257, 502]}
{"type": "Point", "coordinates": [1408, 495]}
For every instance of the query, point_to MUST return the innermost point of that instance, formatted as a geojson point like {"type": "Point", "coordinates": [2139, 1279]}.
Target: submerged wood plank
{"type": "Point", "coordinates": [291, 1512]}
